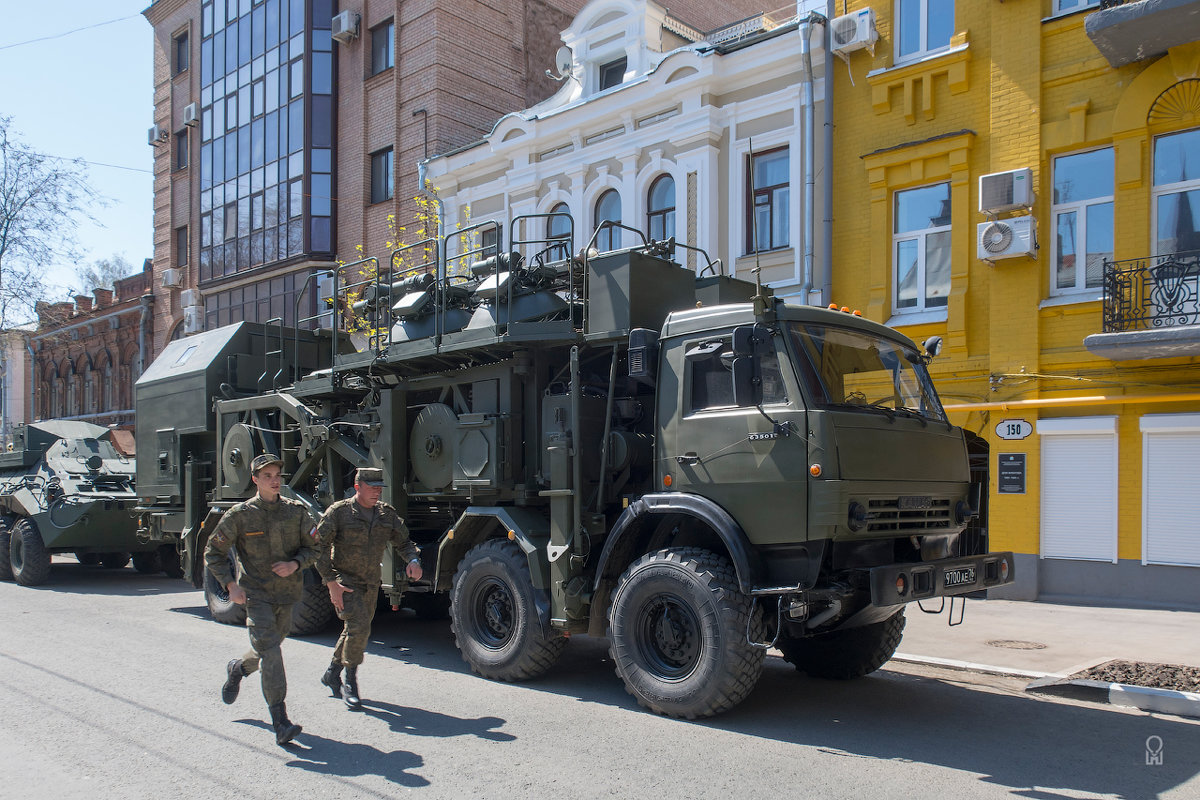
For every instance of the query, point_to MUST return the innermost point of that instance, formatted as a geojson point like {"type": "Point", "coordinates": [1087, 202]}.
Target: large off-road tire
{"type": "Point", "coordinates": [114, 560]}
{"type": "Point", "coordinates": [148, 562]}
{"type": "Point", "coordinates": [494, 613]}
{"type": "Point", "coordinates": [172, 562]}
{"type": "Point", "coordinates": [429, 605]}
{"type": "Point", "coordinates": [88, 559]}
{"type": "Point", "coordinates": [5, 539]}
{"type": "Point", "coordinates": [221, 608]}
{"type": "Point", "coordinates": [27, 554]}
{"type": "Point", "coordinates": [843, 655]}
{"type": "Point", "coordinates": [678, 626]}
{"type": "Point", "coordinates": [315, 611]}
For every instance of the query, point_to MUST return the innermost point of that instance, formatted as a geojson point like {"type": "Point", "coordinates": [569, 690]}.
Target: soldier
{"type": "Point", "coordinates": [275, 541]}
{"type": "Point", "coordinates": [353, 533]}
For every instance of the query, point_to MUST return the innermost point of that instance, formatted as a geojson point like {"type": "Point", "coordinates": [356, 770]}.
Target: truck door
{"type": "Point", "coordinates": [753, 463]}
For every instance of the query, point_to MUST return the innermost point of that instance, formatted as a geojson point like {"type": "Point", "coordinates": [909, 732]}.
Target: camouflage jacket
{"type": "Point", "coordinates": [263, 533]}
{"type": "Point", "coordinates": [353, 538]}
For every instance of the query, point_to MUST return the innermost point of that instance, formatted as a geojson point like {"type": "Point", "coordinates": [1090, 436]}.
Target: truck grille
{"type": "Point", "coordinates": [886, 516]}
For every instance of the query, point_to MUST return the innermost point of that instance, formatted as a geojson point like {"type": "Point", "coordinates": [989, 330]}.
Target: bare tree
{"type": "Point", "coordinates": [103, 272]}
{"type": "Point", "coordinates": [42, 200]}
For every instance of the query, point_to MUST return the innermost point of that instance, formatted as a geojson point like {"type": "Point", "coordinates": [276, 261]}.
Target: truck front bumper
{"type": "Point", "coordinates": [895, 584]}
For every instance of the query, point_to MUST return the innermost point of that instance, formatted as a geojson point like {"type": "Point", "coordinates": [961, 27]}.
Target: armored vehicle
{"type": "Point", "coordinates": [599, 444]}
{"type": "Point", "coordinates": [64, 488]}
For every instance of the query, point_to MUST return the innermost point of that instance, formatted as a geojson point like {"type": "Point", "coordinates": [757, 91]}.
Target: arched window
{"type": "Point", "coordinates": [71, 406]}
{"type": "Point", "coordinates": [177, 332]}
{"type": "Point", "coordinates": [608, 209]}
{"type": "Point", "coordinates": [559, 227]}
{"type": "Point", "coordinates": [89, 392]}
{"type": "Point", "coordinates": [108, 388]}
{"type": "Point", "coordinates": [660, 208]}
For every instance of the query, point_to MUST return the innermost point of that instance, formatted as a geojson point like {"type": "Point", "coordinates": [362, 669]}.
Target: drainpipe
{"type": "Point", "coordinates": [147, 301]}
{"type": "Point", "coordinates": [827, 231]}
{"type": "Point", "coordinates": [806, 107]}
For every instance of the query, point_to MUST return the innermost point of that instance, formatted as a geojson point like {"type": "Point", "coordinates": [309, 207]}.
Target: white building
{"type": "Point", "coordinates": [671, 131]}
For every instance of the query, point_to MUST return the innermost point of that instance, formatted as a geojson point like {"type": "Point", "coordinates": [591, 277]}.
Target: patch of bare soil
{"type": "Point", "coordinates": [1142, 673]}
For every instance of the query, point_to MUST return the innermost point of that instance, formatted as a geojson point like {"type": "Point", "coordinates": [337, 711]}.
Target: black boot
{"type": "Point", "coordinates": [333, 679]}
{"type": "Point", "coordinates": [285, 729]}
{"type": "Point", "coordinates": [233, 683]}
{"type": "Point", "coordinates": [350, 690]}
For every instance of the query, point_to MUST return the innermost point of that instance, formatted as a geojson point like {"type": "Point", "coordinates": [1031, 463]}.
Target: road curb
{"type": "Point", "coordinates": [1163, 701]}
{"type": "Point", "coordinates": [969, 666]}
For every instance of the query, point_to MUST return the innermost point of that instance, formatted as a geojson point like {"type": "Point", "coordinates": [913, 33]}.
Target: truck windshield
{"type": "Point", "coordinates": [849, 369]}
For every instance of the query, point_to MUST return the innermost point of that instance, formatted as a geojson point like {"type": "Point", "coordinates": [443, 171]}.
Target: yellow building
{"type": "Point", "coordinates": [1078, 357]}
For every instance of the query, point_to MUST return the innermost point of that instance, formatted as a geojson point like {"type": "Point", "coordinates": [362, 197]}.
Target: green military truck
{"type": "Point", "coordinates": [64, 488]}
{"type": "Point", "coordinates": [601, 444]}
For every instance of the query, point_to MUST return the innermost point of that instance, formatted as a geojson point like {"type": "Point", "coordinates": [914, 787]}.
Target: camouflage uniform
{"type": "Point", "coordinates": [352, 542]}
{"type": "Point", "coordinates": [264, 533]}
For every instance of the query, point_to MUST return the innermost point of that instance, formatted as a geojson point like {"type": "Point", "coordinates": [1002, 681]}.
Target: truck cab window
{"type": "Point", "coordinates": [711, 371]}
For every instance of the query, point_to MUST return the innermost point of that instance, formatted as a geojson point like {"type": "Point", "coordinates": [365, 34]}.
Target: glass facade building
{"type": "Point", "coordinates": [266, 152]}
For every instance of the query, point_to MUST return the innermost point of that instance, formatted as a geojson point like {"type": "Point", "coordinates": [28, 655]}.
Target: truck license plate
{"type": "Point", "coordinates": [963, 576]}
{"type": "Point", "coordinates": [914, 503]}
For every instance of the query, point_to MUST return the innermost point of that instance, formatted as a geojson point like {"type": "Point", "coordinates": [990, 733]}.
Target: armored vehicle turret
{"type": "Point", "coordinates": [64, 488]}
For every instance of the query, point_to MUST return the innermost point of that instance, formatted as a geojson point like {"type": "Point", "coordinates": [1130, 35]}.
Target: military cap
{"type": "Point", "coordinates": [265, 460]}
{"type": "Point", "coordinates": [371, 476]}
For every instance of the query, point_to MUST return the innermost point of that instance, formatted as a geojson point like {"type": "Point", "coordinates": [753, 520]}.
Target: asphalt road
{"type": "Point", "coordinates": [109, 686]}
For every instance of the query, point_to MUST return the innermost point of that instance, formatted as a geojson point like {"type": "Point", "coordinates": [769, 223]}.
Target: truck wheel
{"type": "Point", "coordinates": [842, 655]}
{"type": "Point", "coordinates": [87, 559]}
{"type": "Point", "coordinates": [6, 573]}
{"type": "Point", "coordinates": [147, 563]}
{"type": "Point", "coordinates": [678, 629]}
{"type": "Point", "coordinates": [429, 605]}
{"type": "Point", "coordinates": [28, 555]}
{"type": "Point", "coordinates": [172, 565]}
{"type": "Point", "coordinates": [114, 560]}
{"type": "Point", "coordinates": [221, 608]}
{"type": "Point", "coordinates": [494, 615]}
{"type": "Point", "coordinates": [315, 611]}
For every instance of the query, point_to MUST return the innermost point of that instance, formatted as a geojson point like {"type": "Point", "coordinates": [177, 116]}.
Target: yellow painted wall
{"type": "Point", "coordinates": [1014, 90]}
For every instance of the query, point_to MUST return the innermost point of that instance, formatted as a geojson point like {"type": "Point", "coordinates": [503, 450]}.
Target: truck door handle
{"type": "Point", "coordinates": [688, 458]}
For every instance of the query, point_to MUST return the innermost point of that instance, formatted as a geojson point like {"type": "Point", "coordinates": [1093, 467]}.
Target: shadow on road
{"type": "Point", "coordinates": [350, 760]}
{"type": "Point", "coordinates": [71, 577]}
{"type": "Point", "coordinates": [419, 722]}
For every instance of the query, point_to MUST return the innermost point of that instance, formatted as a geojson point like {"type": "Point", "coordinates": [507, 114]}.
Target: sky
{"type": "Point", "coordinates": [90, 95]}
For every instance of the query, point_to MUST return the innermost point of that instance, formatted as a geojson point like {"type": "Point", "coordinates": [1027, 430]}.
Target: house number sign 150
{"type": "Point", "coordinates": [1014, 429]}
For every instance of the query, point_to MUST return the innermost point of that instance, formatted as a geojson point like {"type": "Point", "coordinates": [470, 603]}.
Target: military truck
{"type": "Point", "coordinates": [64, 488]}
{"type": "Point", "coordinates": [602, 444]}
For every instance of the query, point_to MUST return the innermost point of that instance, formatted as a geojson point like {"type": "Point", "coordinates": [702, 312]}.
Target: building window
{"type": "Point", "coordinates": [921, 248]}
{"type": "Point", "coordinates": [1065, 6]}
{"type": "Point", "coordinates": [660, 208]}
{"type": "Point", "coordinates": [613, 73]}
{"type": "Point", "coordinates": [181, 56]}
{"type": "Point", "coordinates": [608, 209]}
{"type": "Point", "coordinates": [181, 149]}
{"type": "Point", "coordinates": [383, 47]}
{"type": "Point", "coordinates": [559, 227]}
{"type": "Point", "coordinates": [1176, 193]}
{"type": "Point", "coordinates": [181, 246]}
{"type": "Point", "coordinates": [381, 176]}
{"type": "Point", "coordinates": [767, 211]}
{"type": "Point", "coordinates": [107, 389]}
{"type": "Point", "coordinates": [1083, 220]}
{"type": "Point", "coordinates": [923, 27]}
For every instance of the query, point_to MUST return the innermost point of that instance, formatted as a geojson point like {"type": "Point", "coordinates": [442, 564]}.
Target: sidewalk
{"type": "Point", "coordinates": [1005, 634]}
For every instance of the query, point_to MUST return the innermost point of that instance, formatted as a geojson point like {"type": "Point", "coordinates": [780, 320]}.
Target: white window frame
{"type": "Point", "coordinates": [1150, 425]}
{"type": "Point", "coordinates": [1080, 208]}
{"type": "Point", "coordinates": [919, 236]}
{"type": "Point", "coordinates": [1083, 426]}
{"type": "Point", "coordinates": [1061, 7]}
{"type": "Point", "coordinates": [923, 50]}
{"type": "Point", "coordinates": [1157, 192]}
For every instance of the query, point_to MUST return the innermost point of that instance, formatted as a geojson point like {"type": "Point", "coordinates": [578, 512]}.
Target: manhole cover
{"type": "Point", "coordinates": [1017, 644]}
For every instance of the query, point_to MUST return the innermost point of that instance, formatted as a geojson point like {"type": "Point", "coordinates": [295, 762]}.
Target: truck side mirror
{"type": "Point", "coordinates": [750, 342]}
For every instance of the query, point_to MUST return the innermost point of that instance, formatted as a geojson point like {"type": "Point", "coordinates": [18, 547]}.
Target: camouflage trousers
{"type": "Point", "coordinates": [358, 609]}
{"type": "Point", "coordinates": [269, 625]}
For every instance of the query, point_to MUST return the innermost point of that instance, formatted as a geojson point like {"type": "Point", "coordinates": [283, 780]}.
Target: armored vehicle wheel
{"type": "Point", "coordinates": [172, 566]}
{"type": "Point", "coordinates": [148, 562]}
{"type": "Point", "coordinates": [88, 559]}
{"type": "Point", "coordinates": [847, 654]}
{"type": "Point", "coordinates": [114, 560]}
{"type": "Point", "coordinates": [315, 611]}
{"type": "Point", "coordinates": [678, 629]}
{"type": "Point", "coordinates": [429, 605]}
{"type": "Point", "coordinates": [28, 555]}
{"type": "Point", "coordinates": [5, 539]}
{"type": "Point", "coordinates": [494, 615]}
{"type": "Point", "coordinates": [220, 606]}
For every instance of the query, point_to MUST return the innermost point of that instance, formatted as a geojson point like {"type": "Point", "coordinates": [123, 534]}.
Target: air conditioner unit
{"type": "Point", "coordinates": [345, 27]}
{"type": "Point", "coordinates": [191, 115]}
{"type": "Point", "coordinates": [172, 278]}
{"type": "Point", "coordinates": [189, 297]}
{"type": "Point", "coordinates": [855, 31]}
{"type": "Point", "coordinates": [193, 319]}
{"type": "Point", "coordinates": [1007, 238]}
{"type": "Point", "coordinates": [1006, 191]}
{"type": "Point", "coordinates": [156, 135]}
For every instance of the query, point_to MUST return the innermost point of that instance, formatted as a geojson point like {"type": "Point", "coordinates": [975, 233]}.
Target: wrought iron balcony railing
{"type": "Point", "coordinates": [1152, 293]}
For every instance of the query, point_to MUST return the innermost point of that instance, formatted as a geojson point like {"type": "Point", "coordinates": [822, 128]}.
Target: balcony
{"type": "Point", "coordinates": [1151, 308]}
{"type": "Point", "coordinates": [1125, 32]}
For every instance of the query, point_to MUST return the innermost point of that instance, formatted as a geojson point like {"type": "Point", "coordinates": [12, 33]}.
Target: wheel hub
{"type": "Point", "coordinates": [672, 636]}
{"type": "Point", "coordinates": [495, 613]}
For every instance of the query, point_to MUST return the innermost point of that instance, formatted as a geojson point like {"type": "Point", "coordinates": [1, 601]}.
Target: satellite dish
{"type": "Point", "coordinates": [564, 62]}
